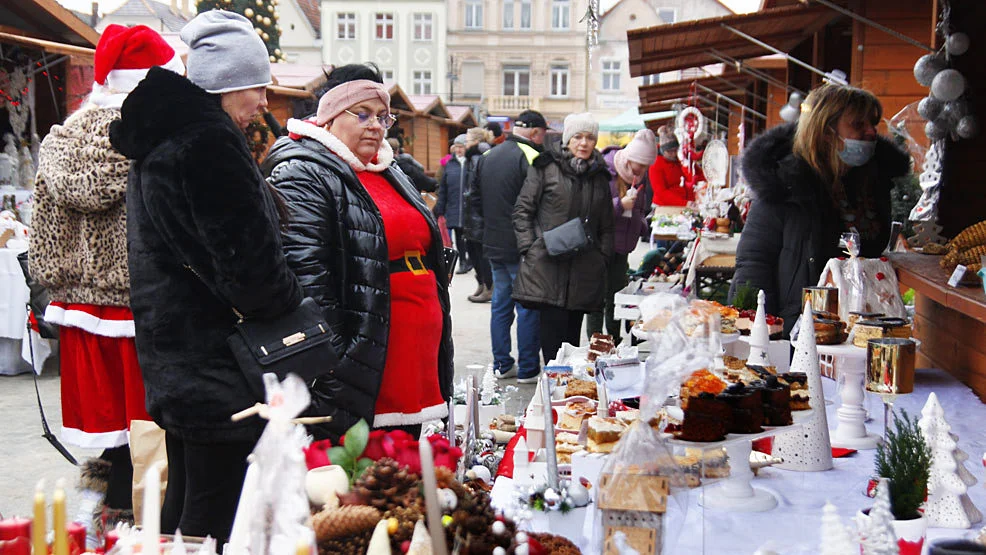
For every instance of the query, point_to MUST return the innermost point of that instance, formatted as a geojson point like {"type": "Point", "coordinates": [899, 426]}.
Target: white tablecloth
{"type": "Point", "coordinates": [14, 295]}
{"type": "Point", "coordinates": [793, 528]}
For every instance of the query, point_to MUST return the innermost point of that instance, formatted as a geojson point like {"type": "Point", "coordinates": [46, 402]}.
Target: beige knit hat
{"type": "Point", "coordinates": [579, 123]}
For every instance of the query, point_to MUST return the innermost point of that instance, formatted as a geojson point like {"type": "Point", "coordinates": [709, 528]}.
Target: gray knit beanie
{"type": "Point", "coordinates": [224, 53]}
{"type": "Point", "coordinates": [579, 123]}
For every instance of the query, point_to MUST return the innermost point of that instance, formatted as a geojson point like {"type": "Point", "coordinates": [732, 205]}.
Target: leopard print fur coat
{"type": "Point", "coordinates": [79, 236]}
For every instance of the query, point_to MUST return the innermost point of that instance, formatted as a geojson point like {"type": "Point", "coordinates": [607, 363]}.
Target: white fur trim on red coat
{"type": "Point", "coordinates": [94, 440]}
{"type": "Point", "coordinates": [426, 414]}
{"type": "Point", "coordinates": [119, 83]}
{"type": "Point", "coordinates": [385, 154]}
{"type": "Point", "coordinates": [59, 315]}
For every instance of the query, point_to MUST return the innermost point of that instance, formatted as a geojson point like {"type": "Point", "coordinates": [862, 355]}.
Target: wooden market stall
{"type": "Point", "coordinates": [428, 131]}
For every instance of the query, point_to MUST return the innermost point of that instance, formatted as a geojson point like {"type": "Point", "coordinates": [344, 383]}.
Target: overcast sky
{"type": "Point", "coordinates": [110, 5]}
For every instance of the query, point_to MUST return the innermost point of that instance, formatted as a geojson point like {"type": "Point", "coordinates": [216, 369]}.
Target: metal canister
{"type": "Point", "coordinates": [890, 365]}
{"type": "Point", "coordinates": [821, 299]}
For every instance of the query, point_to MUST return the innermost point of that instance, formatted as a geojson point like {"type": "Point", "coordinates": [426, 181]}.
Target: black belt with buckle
{"type": "Point", "coordinates": [411, 262]}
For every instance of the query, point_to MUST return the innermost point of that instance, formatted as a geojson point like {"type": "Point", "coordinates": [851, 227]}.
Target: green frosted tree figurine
{"type": "Point", "coordinates": [261, 13]}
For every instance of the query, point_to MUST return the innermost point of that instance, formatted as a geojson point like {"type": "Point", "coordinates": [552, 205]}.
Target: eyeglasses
{"type": "Point", "coordinates": [366, 119]}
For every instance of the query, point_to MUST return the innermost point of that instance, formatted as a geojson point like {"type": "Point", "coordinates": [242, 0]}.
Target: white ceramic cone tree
{"type": "Point", "coordinates": [877, 530]}
{"type": "Point", "coordinates": [760, 334]}
{"type": "Point", "coordinates": [836, 539]}
{"type": "Point", "coordinates": [380, 540]}
{"type": "Point", "coordinates": [808, 449]}
{"type": "Point", "coordinates": [960, 457]}
{"type": "Point", "coordinates": [420, 540]}
{"type": "Point", "coordinates": [948, 504]}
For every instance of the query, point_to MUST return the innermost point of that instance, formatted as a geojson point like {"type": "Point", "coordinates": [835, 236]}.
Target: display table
{"type": "Point", "coordinates": [793, 527]}
{"type": "Point", "coordinates": [14, 295]}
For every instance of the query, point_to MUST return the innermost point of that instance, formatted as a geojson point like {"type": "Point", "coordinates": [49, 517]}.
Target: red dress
{"type": "Point", "coordinates": [409, 393]}
{"type": "Point", "coordinates": [666, 179]}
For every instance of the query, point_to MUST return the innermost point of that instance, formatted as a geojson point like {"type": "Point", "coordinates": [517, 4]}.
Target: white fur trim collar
{"type": "Point", "coordinates": [426, 414]}
{"type": "Point", "coordinates": [385, 155]}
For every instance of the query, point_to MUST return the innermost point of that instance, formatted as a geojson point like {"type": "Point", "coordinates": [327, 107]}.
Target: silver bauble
{"type": "Point", "coordinates": [935, 130]}
{"type": "Point", "coordinates": [955, 110]}
{"type": "Point", "coordinates": [795, 100]}
{"type": "Point", "coordinates": [957, 44]}
{"type": "Point", "coordinates": [927, 67]}
{"type": "Point", "coordinates": [930, 107]}
{"type": "Point", "coordinates": [789, 113]}
{"type": "Point", "coordinates": [949, 84]}
{"type": "Point", "coordinates": [967, 127]}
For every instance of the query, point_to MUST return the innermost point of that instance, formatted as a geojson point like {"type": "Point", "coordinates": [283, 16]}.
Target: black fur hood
{"type": "Point", "coordinates": [554, 152]}
{"type": "Point", "coordinates": [146, 120]}
{"type": "Point", "coordinates": [775, 174]}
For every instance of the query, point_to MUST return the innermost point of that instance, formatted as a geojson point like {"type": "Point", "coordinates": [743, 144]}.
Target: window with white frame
{"type": "Point", "coordinates": [525, 14]}
{"type": "Point", "coordinates": [421, 82]}
{"type": "Point", "coordinates": [559, 80]}
{"type": "Point", "coordinates": [611, 75]}
{"type": "Point", "coordinates": [666, 15]}
{"type": "Point", "coordinates": [650, 79]}
{"type": "Point", "coordinates": [516, 80]}
{"type": "Point", "coordinates": [561, 11]}
{"type": "Point", "coordinates": [508, 15]}
{"type": "Point", "coordinates": [346, 26]}
{"type": "Point", "coordinates": [474, 14]}
{"type": "Point", "coordinates": [422, 26]}
{"type": "Point", "coordinates": [387, 75]}
{"type": "Point", "coordinates": [384, 26]}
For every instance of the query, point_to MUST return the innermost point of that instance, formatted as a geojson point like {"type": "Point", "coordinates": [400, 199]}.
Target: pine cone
{"type": "Point", "coordinates": [406, 519]}
{"type": "Point", "coordinates": [386, 485]}
{"type": "Point", "coordinates": [351, 545]}
{"type": "Point", "coordinates": [344, 521]}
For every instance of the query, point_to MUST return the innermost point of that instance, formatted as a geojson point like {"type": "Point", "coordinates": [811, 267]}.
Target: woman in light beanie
{"type": "Point", "coordinates": [368, 250]}
{"type": "Point", "coordinates": [79, 252]}
{"type": "Point", "coordinates": [203, 237]}
{"type": "Point", "coordinates": [630, 206]}
{"type": "Point", "coordinates": [568, 180]}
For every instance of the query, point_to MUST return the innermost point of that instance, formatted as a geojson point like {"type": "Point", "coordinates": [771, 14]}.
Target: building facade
{"type": "Point", "coordinates": [611, 89]}
{"type": "Point", "coordinates": [160, 16]}
{"type": "Point", "coordinates": [406, 39]}
{"type": "Point", "coordinates": [513, 55]}
{"type": "Point", "coordinates": [301, 31]}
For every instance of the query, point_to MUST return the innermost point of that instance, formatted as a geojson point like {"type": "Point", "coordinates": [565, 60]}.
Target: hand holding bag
{"type": "Point", "coordinates": [571, 237]}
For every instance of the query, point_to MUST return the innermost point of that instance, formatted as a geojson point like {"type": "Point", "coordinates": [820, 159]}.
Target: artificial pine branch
{"type": "Point", "coordinates": [905, 460]}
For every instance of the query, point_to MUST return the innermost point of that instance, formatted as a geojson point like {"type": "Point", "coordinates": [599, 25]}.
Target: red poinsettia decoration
{"type": "Point", "coordinates": [317, 454]}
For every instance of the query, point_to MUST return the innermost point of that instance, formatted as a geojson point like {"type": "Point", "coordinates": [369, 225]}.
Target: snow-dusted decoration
{"type": "Point", "coordinates": [926, 209]}
{"type": "Point", "coordinates": [880, 290]}
{"type": "Point", "coordinates": [836, 537]}
{"type": "Point", "coordinates": [18, 107]}
{"type": "Point", "coordinates": [948, 504]}
{"type": "Point", "coordinates": [810, 448]}
{"type": "Point", "coordinates": [489, 393]}
{"type": "Point", "coordinates": [26, 169]}
{"type": "Point", "coordinates": [876, 531]}
{"type": "Point", "coordinates": [591, 19]}
{"type": "Point", "coordinates": [760, 334]}
{"type": "Point", "coordinates": [9, 163]}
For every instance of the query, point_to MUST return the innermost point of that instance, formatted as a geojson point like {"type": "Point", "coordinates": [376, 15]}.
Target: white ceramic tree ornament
{"type": "Point", "coordinates": [420, 540]}
{"type": "Point", "coordinates": [877, 531]}
{"type": "Point", "coordinates": [948, 504]}
{"type": "Point", "coordinates": [810, 448]}
{"type": "Point", "coordinates": [760, 334]}
{"type": "Point", "coordinates": [836, 539]}
{"type": "Point", "coordinates": [380, 540]}
{"type": "Point", "coordinates": [961, 457]}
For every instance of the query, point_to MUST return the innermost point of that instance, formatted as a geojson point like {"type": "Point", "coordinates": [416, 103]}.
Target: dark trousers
{"type": "Point", "coordinates": [119, 486]}
{"type": "Point", "coordinates": [461, 245]}
{"type": "Point", "coordinates": [204, 483]}
{"type": "Point", "coordinates": [616, 279]}
{"type": "Point", "coordinates": [558, 326]}
{"type": "Point", "coordinates": [484, 274]}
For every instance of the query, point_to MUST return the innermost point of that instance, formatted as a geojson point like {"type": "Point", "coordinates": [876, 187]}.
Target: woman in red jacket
{"type": "Point", "coordinates": [666, 175]}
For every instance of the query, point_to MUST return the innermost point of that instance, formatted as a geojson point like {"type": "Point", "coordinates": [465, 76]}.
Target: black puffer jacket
{"type": "Point", "coordinates": [793, 227]}
{"type": "Point", "coordinates": [552, 195]}
{"type": "Point", "coordinates": [472, 218]}
{"type": "Point", "coordinates": [196, 199]}
{"type": "Point", "coordinates": [336, 245]}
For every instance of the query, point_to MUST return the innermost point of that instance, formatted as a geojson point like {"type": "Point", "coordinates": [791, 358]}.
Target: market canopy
{"type": "Point", "coordinates": [631, 121]}
{"type": "Point", "coordinates": [47, 20]}
{"type": "Point", "coordinates": [696, 43]}
{"type": "Point", "coordinates": [655, 97]}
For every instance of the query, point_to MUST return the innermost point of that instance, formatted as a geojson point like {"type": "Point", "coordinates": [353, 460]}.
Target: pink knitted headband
{"type": "Point", "coordinates": [339, 99]}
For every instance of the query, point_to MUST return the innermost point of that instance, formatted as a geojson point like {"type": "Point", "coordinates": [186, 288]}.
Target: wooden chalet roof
{"type": "Point", "coordinates": [653, 98]}
{"type": "Point", "coordinates": [462, 115]}
{"type": "Point", "coordinates": [690, 43]}
{"type": "Point", "coordinates": [430, 104]}
{"type": "Point", "coordinates": [45, 20]}
{"type": "Point", "coordinates": [399, 102]}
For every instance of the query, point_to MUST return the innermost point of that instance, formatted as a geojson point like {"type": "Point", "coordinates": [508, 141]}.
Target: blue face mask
{"type": "Point", "coordinates": [856, 152]}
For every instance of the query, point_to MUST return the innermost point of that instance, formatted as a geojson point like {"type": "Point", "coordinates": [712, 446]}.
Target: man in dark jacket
{"type": "Point", "coordinates": [412, 168]}
{"type": "Point", "coordinates": [499, 178]}
{"type": "Point", "coordinates": [451, 200]}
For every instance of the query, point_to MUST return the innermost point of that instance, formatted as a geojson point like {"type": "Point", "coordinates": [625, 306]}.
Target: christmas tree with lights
{"type": "Point", "coordinates": [261, 13]}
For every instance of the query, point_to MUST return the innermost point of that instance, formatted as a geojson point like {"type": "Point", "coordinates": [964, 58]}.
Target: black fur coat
{"type": "Point", "coordinates": [196, 200]}
{"type": "Point", "coordinates": [793, 227]}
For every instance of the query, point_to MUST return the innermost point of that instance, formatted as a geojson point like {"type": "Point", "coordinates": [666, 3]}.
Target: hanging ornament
{"type": "Point", "coordinates": [789, 113]}
{"type": "Point", "coordinates": [957, 44]}
{"type": "Point", "coordinates": [935, 130]}
{"type": "Point", "coordinates": [248, 12]}
{"type": "Point", "coordinates": [795, 100]}
{"type": "Point", "coordinates": [927, 67]}
{"type": "Point", "coordinates": [930, 107]}
{"type": "Point", "coordinates": [967, 127]}
{"type": "Point", "coordinates": [267, 21]}
{"type": "Point", "coordinates": [955, 110]}
{"type": "Point", "coordinates": [948, 84]}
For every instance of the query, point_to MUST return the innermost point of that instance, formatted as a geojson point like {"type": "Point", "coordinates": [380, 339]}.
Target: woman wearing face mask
{"type": "Point", "coordinates": [568, 180]}
{"type": "Point", "coordinates": [830, 173]}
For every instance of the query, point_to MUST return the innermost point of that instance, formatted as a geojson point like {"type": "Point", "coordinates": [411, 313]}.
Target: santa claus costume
{"type": "Point", "coordinates": [79, 252]}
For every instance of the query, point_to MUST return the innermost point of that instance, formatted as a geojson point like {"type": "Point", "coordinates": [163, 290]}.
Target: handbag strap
{"type": "Point", "coordinates": [580, 209]}
{"type": "Point", "coordinates": [239, 315]}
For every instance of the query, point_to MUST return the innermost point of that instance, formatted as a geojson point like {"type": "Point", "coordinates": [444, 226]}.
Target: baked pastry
{"type": "Point", "coordinates": [744, 323]}
{"type": "Point", "coordinates": [746, 403]}
{"type": "Point", "coordinates": [857, 316]}
{"type": "Point", "coordinates": [706, 419]}
{"type": "Point", "coordinates": [714, 462]}
{"type": "Point", "coordinates": [600, 345]}
{"type": "Point", "coordinates": [830, 332]}
{"type": "Point", "coordinates": [776, 402]}
{"type": "Point", "coordinates": [566, 444]}
{"type": "Point", "coordinates": [798, 382]}
{"type": "Point", "coordinates": [603, 434]}
{"type": "Point", "coordinates": [701, 381]}
{"type": "Point", "coordinates": [585, 388]}
{"type": "Point", "coordinates": [574, 414]}
{"type": "Point", "coordinates": [877, 329]}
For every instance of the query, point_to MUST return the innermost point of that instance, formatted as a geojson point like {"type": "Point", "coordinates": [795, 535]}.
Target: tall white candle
{"type": "Point", "coordinates": [151, 539]}
{"type": "Point", "coordinates": [435, 528]}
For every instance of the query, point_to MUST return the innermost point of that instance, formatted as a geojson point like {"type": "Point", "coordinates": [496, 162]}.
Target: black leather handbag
{"type": "Point", "coordinates": [572, 237]}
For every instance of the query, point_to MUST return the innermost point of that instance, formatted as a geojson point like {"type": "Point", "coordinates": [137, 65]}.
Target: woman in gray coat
{"type": "Point", "coordinates": [568, 180]}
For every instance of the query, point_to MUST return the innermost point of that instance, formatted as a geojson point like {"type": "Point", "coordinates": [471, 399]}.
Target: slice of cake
{"type": "Point", "coordinates": [585, 388]}
{"type": "Point", "coordinates": [701, 381]}
{"type": "Point", "coordinates": [744, 324]}
{"type": "Point", "coordinates": [574, 414]}
{"type": "Point", "coordinates": [829, 332]}
{"type": "Point", "coordinates": [706, 419]}
{"type": "Point", "coordinates": [600, 345]}
{"type": "Point", "coordinates": [603, 434]}
{"type": "Point", "coordinates": [798, 382]}
{"type": "Point", "coordinates": [776, 402]}
{"type": "Point", "coordinates": [746, 403]}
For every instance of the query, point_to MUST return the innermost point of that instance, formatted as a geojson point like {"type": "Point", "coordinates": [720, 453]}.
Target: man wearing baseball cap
{"type": "Point", "coordinates": [500, 175]}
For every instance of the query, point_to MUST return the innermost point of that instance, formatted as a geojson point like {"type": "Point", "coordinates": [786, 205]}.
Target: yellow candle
{"type": "Point", "coordinates": [39, 528]}
{"type": "Point", "coordinates": [304, 548]}
{"type": "Point", "coordinates": [60, 546]}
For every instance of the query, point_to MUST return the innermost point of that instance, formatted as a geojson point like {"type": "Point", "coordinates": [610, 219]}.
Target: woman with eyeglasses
{"type": "Point", "coordinates": [567, 181]}
{"type": "Point", "coordinates": [368, 250]}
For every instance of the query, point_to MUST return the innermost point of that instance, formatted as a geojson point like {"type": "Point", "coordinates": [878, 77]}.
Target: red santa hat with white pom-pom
{"type": "Point", "coordinates": [123, 57]}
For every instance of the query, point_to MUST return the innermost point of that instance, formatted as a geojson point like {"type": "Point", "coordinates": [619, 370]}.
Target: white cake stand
{"type": "Point", "coordinates": [735, 492]}
{"type": "Point", "coordinates": [850, 431]}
